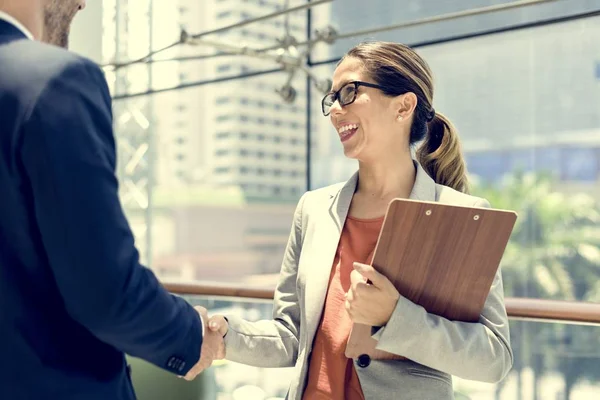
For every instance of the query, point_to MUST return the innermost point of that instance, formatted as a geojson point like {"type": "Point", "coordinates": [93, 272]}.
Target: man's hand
{"type": "Point", "coordinates": [213, 347]}
{"type": "Point", "coordinates": [218, 323]}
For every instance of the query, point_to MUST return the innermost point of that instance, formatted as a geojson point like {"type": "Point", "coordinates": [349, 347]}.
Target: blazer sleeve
{"type": "Point", "coordinates": [67, 152]}
{"type": "Point", "coordinates": [272, 343]}
{"type": "Point", "coordinates": [478, 351]}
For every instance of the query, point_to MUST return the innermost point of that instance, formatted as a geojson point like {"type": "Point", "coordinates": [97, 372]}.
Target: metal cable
{"type": "Point", "coordinates": [185, 36]}
{"type": "Point", "coordinates": [428, 20]}
{"type": "Point", "coordinates": [197, 83]}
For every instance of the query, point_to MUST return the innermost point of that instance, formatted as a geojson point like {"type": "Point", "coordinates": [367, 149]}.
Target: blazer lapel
{"type": "Point", "coordinates": [327, 238]}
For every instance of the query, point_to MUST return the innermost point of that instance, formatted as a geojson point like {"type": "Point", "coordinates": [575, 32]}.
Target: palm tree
{"type": "Point", "coordinates": [554, 252]}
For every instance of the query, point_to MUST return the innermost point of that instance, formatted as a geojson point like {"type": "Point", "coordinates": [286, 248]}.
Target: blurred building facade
{"type": "Point", "coordinates": [507, 93]}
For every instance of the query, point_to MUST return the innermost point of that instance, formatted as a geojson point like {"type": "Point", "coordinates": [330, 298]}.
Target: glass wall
{"type": "Point", "coordinates": [211, 173]}
{"type": "Point", "coordinates": [527, 106]}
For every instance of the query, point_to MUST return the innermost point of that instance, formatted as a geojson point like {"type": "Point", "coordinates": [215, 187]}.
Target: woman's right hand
{"type": "Point", "coordinates": [218, 323]}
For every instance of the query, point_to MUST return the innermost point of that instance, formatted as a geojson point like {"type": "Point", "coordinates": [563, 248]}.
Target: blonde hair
{"type": "Point", "coordinates": [399, 69]}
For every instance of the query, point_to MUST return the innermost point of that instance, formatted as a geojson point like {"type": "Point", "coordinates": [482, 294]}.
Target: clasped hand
{"type": "Point", "coordinates": [213, 346]}
{"type": "Point", "coordinates": [372, 297]}
{"type": "Point", "coordinates": [371, 300]}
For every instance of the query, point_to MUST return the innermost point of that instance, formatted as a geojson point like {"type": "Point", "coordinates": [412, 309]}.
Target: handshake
{"type": "Point", "coordinates": [213, 345]}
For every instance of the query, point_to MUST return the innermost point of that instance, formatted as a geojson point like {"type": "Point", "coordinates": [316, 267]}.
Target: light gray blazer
{"type": "Point", "coordinates": [436, 347]}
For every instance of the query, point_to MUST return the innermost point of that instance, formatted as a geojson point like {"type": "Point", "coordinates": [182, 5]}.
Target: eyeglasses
{"type": "Point", "coordinates": [345, 95]}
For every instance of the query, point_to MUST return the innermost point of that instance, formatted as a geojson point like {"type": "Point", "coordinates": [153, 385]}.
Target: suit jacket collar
{"type": "Point", "coordinates": [10, 26]}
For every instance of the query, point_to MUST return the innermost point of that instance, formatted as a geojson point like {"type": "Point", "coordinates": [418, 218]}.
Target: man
{"type": "Point", "coordinates": [73, 296]}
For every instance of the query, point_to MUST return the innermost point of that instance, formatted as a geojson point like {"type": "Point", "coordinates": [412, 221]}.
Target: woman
{"type": "Point", "coordinates": [380, 105]}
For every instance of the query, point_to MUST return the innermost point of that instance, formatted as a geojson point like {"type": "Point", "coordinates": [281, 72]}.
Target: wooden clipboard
{"type": "Point", "coordinates": [442, 257]}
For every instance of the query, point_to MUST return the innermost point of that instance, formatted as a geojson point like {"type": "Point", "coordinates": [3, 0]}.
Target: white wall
{"type": "Point", "coordinates": [86, 31]}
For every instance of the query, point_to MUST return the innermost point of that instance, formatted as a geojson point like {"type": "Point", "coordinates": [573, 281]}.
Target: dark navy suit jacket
{"type": "Point", "coordinates": [73, 295]}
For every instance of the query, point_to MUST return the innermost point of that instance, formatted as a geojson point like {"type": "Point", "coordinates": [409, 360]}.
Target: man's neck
{"type": "Point", "coordinates": [28, 13]}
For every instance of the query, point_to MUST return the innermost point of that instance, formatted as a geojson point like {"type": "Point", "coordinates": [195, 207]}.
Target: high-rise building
{"type": "Point", "coordinates": [235, 133]}
{"type": "Point", "coordinates": [215, 151]}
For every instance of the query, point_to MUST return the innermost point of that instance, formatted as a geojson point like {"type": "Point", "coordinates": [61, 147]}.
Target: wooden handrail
{"type": "Point", "coordinates": [570, 312]}
{"type": "Point", "coordinates": [219, 290]}
{"type": "Point", "coordinates": [553, 310]}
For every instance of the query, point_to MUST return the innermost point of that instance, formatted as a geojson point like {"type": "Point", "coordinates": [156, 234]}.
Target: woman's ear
{"type": "Point", "coordinates": [405, 105]}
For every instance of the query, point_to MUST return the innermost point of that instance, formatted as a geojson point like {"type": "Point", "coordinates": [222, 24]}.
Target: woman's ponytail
{"type": "Point", "coordinates": [440, 154]}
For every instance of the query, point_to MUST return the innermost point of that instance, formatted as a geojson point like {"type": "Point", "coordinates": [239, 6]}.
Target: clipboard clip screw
{"type": "Point", "coordinates": [476, 217]}
{"type": "Point", "coordinates": [428, 212]}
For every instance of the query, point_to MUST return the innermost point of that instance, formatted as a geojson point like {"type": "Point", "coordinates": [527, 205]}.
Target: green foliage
{"type": "Point", "coordinates": [553, 253]}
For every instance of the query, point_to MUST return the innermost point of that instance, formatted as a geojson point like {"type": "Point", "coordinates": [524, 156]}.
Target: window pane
{"type": "Point", "coordinates": [526, 104]}
{"type": "Point", "coordinates": [227, 216]}
{"type": "Point", "coordinates": [204, 201]}
{"type": "Point", "coordinates": [210, 175]}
